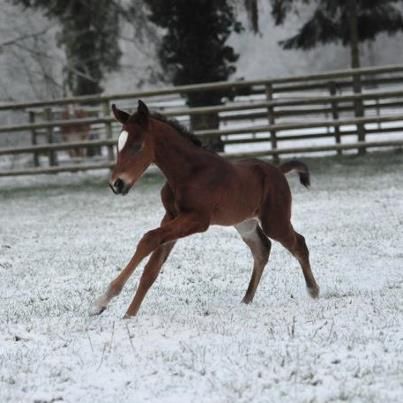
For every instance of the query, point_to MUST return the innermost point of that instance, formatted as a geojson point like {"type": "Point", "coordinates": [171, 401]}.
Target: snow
{"type": "Point", "coordinates": [64, 237]}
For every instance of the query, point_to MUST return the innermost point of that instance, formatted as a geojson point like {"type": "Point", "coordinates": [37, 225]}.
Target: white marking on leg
{"type": "Point", "coordinates": [247, 229]}
{"type": "Point", "coordinates": [101, 304]}
{"type": "Point", "coordinates": [98, 307]}
{"type": "Point", "coordinates": [122, 140]}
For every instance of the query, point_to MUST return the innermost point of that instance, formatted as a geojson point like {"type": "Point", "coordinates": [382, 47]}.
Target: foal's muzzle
{"type": "Point", "coordinates": [119, 187]}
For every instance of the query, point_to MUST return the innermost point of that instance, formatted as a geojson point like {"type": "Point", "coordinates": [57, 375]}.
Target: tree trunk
{"type": "Point", "coordinates": [208, 121]}
{"type": "Point", "coordinates": [355, 64]}
{"type": "Point", "coordinates": [354, 40]}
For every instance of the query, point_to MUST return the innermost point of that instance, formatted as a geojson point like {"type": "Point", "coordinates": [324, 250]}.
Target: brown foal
{"type": "Point", "coordinates": [202, 189]}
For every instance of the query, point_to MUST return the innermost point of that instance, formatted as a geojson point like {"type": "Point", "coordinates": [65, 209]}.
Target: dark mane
{"type": "Point", "coordinates": [182, 130]}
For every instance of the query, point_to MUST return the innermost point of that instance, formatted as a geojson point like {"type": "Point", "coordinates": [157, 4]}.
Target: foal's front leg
{"type": "Point", "coordinates": [116, 286]}
{"type": "Point", "coordinates": [169, 231]}
{"type": "Point", "coordinates": [180, 227]}
{"type": "Point", "coordinates": [150, 274]}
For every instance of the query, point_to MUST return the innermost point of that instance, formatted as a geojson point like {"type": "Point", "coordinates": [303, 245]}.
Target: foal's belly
{"type": "Point", "coordinates": [237, 205]}
{"type": "Point", "coordinates": [230, 220]}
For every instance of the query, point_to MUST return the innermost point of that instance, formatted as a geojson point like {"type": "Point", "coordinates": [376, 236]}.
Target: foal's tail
{"type": "Point", "coordinates": [300, 167]}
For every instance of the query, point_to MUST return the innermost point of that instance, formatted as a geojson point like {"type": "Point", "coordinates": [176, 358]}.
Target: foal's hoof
{"type": "Point", "coordinates": [313, 292]}
{"type": "Point", "coordinates": [97, 310]}
{"type": "Point", "coordinates": [100, 305]}
{"type": "Point", "coordinates": [247, 300]}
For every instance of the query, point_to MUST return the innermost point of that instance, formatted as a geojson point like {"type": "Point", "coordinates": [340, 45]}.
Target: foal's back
{"type": "Point", "coordinates": [241, 188]}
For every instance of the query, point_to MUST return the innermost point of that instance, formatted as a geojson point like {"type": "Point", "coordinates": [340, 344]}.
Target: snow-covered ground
{"type": "Point", "coordinates": [63, 238]}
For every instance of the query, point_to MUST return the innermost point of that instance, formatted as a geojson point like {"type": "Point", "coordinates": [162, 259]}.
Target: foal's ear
{"type": "Point", "coordinates": [120, 116]}
{"type": "Point", "coordinates": [142, 113]}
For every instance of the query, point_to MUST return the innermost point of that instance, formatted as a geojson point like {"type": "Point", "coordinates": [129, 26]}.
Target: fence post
{"type": "Point", "coordinates": [378, 112]}
{"type": "Point", "coordinates": [108, 129]}
{"type": "Point", "coordinates": [335, 114]}
{"type": "Point", "coordinates": [359, 111]}
{"type": "Point", "coordinates": [49, 136]}
{"type": "Point", "coordinates": [33, 138]}
{"type": "Point", "coordinates": [270, 117]}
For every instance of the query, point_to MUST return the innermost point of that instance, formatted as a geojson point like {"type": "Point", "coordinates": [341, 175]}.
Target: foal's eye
{"type": "Point", "coordinates": [137, 147]}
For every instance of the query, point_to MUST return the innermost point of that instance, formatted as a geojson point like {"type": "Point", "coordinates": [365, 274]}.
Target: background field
{"type": "Point", "coordinates": [61, 244]}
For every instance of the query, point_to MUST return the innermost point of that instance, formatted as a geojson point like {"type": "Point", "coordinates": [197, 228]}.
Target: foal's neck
{"type": "Point", "coordinates": [175, 155]}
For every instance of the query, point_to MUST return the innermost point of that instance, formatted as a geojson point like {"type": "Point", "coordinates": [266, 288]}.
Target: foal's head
{"type": "Point", "coordinates": [134, 151]}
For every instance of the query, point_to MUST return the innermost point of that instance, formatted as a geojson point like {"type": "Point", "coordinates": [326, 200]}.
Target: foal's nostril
{"type": "Point", "coordinates": [118, 185]}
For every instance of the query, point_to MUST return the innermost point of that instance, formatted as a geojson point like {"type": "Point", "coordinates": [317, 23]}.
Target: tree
{"type": "Point", "coordinates": [346, 21]}
{"type": "Point", "coordinates": [194, 47]}
{"type": "Point", "coordinates": [252, 13]}
{"type": "Point", "coordinates": [24, 56]}
{"type": "Point", "coordinates": [89, 34]}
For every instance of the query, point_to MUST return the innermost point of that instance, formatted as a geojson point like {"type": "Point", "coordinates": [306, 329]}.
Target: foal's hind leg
{"type": "Point", "coordinates": [295, 243]}
{"type": "Point", "coordinates": [276, 225]}
{"type": "Point", "coordinates": [260, 247]}
{"type": "Point", "coordinates": [301, 252]}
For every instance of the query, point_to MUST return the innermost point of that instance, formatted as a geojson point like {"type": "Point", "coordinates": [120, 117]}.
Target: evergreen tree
{"type": "Point", "coordinates": [194, 47]}
{"type": "Point", "coordinates": [89, 34]}
{"type": "Point", "coordinates": [346, 21]}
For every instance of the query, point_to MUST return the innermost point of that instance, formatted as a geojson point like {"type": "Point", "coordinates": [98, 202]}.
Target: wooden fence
{"type": "Point", "coordinates": [264, 118]}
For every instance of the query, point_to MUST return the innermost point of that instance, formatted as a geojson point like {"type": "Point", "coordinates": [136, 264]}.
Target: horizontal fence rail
{"type": "Point", "coordinates": [262, 114]}
{"type": "Point", "coordinates": [260, 154]}
{"type": "Point", "coordinates": [215, 133]}
{"type": "Point", "coordinates": [184, 89]}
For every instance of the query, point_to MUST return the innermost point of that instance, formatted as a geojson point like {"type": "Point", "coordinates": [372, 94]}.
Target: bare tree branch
{"type": "Point", "coordinates": [59, 59]}
{"type": "Point", "coordinates": [21, 38]}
